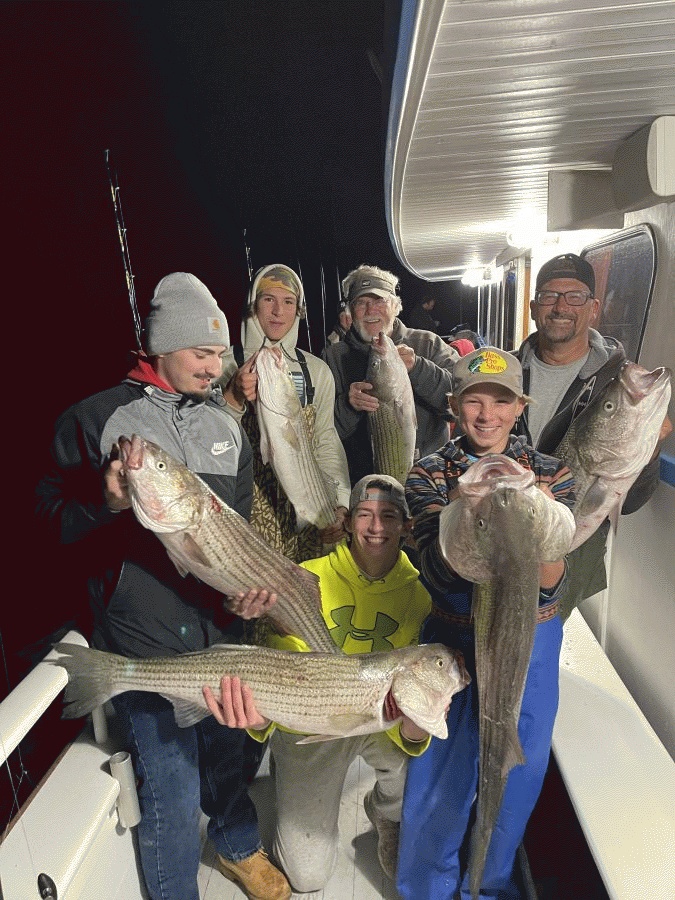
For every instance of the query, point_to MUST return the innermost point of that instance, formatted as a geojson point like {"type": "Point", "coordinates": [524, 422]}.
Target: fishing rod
{"type": "Point", "coordinates": [126, 261]}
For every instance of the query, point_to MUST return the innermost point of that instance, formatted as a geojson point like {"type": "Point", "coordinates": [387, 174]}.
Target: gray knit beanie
{"type": "Point", "coordinates": [184, 313]}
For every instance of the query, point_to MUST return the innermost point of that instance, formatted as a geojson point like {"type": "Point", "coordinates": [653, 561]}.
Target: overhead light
{"type": "Point", "coordinates": [473, 277]}
{"type": "Point", "coordinates": [526, 230]}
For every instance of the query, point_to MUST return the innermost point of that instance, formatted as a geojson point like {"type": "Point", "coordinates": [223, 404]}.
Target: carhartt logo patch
{"type": "Point", "coordinates": [220, 447]}
{"type": "Point", "coordinates": [214, 325]}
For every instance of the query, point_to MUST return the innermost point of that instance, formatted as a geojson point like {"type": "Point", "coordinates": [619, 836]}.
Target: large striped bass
{"type": "Point", "coordinates": [315, 693]}
{"type": "Point", "coordinates": [496, 534]}
{"type": "Point", "coordinates": [611, 441]}
{"type": "Point", "coordinates": [393, 425]}
{"type": "Point", "coordinates": [206, 537]}
{"type": "Point", "coordinates": [285, 443]}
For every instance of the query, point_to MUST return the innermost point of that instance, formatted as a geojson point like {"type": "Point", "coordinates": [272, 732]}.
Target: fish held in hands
{"type": "Point", "coordinates": [207, 538]}
{"type": "Point", "coordinates": [393, 425]}
{"type": "Point", "coordinates": [496, 534]}
{"type": "Point", "coordinates": [611, 441]}
{"type": "Point", "coordinates": [286, 444]}
{"type": "Point", "coordinates": [318, 694]}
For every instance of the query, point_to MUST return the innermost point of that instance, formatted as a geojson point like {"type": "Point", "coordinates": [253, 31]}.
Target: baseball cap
{"type": "Point", "coordinates": [488, 365]}
{"type": "Point", "coordinates": [379, 487]}
{"type": "Point", "coordinates": [369, 280]}
{"type": "Point", "coordinates": [569, 265]}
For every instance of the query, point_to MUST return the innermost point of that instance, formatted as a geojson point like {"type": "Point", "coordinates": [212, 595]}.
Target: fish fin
{"type": "Point", "coordinates": [186, 712]}
{"type": "Point", "coordinates": [346, 725]}
{"type": "Point", "coordinates": [182, 571]}
{"type": "Point", "coordinates": [594, 498]}
{"type": "Point", "coordinates": [194, 551]}
{"type": "Point", "coordinates": [290, 435]}
{"type": "Point", "coordinates": [317, 738]}
{"type": "Point", "coordinates": [514, 755]}
{"type": "Point", "coordinates": [615, 514]}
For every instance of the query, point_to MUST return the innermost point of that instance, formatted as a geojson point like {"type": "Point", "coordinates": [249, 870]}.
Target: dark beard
{"type": "Point", "coordinates": [197, 396]}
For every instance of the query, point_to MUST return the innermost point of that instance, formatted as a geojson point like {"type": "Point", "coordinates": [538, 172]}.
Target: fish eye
{"type": "Point", "coordinates": [608, 405]}
{"type": "Point", "coordinates": [482, 524]}
{"type": "Point", "coordinates": [161, 465]}
{"type": "Point", "coordinates": [440, 662]}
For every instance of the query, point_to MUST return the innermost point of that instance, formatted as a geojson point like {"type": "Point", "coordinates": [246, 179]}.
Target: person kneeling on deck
{"type": "Point", "coordinates": [372, 600]}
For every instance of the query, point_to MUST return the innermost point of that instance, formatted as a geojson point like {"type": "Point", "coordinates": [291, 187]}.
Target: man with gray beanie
{"type": "Point", "coordinates": [142, 606]}
{"type": "Point", "coordinates": [372, 295]}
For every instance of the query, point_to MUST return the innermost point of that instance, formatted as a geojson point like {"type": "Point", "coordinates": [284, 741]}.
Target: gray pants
{"type": "Point", "coordinates": [309, 779]}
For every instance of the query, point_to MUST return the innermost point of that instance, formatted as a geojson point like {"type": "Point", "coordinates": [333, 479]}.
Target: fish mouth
{"type": "Point", "coordinates": [638, 382]}
{"type": "Point", "coordinates": [131, 451]}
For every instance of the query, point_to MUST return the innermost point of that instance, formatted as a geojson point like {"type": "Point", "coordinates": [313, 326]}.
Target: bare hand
{"type": "Point", "coordinates": [666, 429]}
{"type": "Point", "coordinates": [251, 605]}
{"type": "Point", "coordinates": [360, 399]}
{"type": "Point", "coordinates": [409, 731]}
{"type": "Point", "coordinates": [237, 707]}
{"type": "Point", "coordinates": [243, 385]}
{"type": "Point", "coordinates": [331, 534]}
{"type": "Point", "coordinates": [115, 489]}
{"type": "Point", "coordinates": [407, 354]}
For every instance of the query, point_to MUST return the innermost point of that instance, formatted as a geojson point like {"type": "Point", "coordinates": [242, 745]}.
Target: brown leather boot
{"type": "Point", "coordinates": [256, 876]}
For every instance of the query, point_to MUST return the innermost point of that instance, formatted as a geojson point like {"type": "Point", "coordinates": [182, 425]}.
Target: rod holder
{"type": "Point", "coordinates": [128, 810]}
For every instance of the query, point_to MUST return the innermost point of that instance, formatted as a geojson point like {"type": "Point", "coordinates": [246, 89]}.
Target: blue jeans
{"type": "Point", "coordinates": [441, 784]}
{"type": "Point", "coordinates": [182, 771]}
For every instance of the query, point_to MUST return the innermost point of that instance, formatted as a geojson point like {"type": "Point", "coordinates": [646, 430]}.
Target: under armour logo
{"type": "Point", "coordinates": [384, 626]}
{"type": "Point", "coordinates": [220, 447]}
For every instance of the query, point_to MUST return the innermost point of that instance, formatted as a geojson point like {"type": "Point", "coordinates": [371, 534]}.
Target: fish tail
{"type": "Point", "coordinates": [90, 678]}
{"type": "Point", "coordinates": [480, 841]}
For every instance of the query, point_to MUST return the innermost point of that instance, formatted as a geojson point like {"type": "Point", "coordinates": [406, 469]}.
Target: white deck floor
{"type": "Point", "coordinates": [357, 876]}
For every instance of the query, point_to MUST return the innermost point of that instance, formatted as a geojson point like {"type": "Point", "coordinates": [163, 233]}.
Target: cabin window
{"type": "Point", "coordinates": [625, 269]}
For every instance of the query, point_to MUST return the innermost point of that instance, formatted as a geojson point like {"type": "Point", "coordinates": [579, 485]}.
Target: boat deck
{"type": "Point", "coordinates": [357, 876]}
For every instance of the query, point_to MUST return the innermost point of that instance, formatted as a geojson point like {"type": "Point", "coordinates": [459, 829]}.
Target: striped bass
{"type": "Point", "coordinates": [209, 539]}
{"type": "Point", "coordinates": [285, 443]}
{"type": "Point", "coordinates": [393, 425]}
{"type": "Point", "coordinates": [611, 441]}
{"type": "Point", "coordinates": [321, 695]}
{"type": "Point", "coordinates": [498, 531]}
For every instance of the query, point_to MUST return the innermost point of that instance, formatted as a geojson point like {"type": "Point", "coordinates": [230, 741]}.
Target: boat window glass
{"type": "Point", "coordinates": [625, 269]}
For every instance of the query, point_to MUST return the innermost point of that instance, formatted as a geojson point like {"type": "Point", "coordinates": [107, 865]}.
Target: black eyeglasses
{"type": "Point", "coordinates": [572, 298]}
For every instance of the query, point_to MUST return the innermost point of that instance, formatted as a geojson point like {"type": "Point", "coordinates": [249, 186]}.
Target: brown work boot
{"type": "Point", "coordinates": [387, 837]}
{"type": "Point", "coordinates": [256, 876]}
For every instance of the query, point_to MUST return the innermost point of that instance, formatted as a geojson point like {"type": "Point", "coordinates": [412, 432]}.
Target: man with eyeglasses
{"type": "Point", "coordinates": [566, 363]}
{"type": "Point", "coordinates": [373, 298]}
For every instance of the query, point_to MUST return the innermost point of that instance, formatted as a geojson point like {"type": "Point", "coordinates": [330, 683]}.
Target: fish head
{"type": "Point", "coordinates": [275, 389]}
{"type": "Point", "coordinates": [386, 370]}
{"type": "Point", "coordinates": [425, 683]}
{"type": "Point", "coordinates": [615, 436]}
{"type": "Point", "coordinates": [500, 516]}
{"type": "Point", "coordinates": [165, 495]}
{"type": "Point", "coordinates": [496, 470]}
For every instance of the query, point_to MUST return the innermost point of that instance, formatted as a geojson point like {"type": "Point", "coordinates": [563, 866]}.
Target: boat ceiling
{"type": "Point", "coordinates": [490, 96]}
